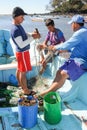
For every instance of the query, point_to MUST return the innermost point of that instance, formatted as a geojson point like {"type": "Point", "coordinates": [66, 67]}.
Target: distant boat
{"type": "Point", "coordinates": [42, 19]}
{"type": "Point", "coordinates": [55, 17]}
{"type": "Point", "coordinates": [36, 19]}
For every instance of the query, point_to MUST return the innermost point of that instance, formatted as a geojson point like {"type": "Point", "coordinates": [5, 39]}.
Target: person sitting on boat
{"type": "Point", "coordinates": [76, 65]}
{"type": "Point", "coordinates": [21, 46]}
{"type": "Point", "coordinates": [55, 36]}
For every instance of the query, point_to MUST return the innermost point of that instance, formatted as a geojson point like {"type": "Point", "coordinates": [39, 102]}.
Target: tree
{"type": "Point", "coordinates": [68, 5]}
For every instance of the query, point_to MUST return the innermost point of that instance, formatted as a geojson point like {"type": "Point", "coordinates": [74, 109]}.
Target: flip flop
{"type": "Point", "coordinates": [31, 93]}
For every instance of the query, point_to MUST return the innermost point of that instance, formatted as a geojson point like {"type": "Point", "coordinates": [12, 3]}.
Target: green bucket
{"type": "Point", "coordinates": [52, 108]}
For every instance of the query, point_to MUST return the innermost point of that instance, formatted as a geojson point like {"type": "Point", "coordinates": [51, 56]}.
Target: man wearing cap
{"type": "Point", "coordinates": [76, 65]}
{"type": "Point", "coordinates": [20, 41]}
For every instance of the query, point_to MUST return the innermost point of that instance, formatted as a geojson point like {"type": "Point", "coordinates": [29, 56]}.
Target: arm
{"type": "Point", "coordinates": [24, 43]}
{"type": "Point", "coordinates": [20, 42]}
{"type": "Point", "coordinates": [69, 44]}
{"type": "Point", "coordinates": [42, 46]}
{"type": "Point", "coordinates": [34, 34]}
{"type": "Point", "coordinates": [45, 44]}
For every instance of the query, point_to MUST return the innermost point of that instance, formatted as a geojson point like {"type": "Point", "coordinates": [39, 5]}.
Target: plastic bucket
{"type": "Point", "coordinates": [27, 115]}
{"type": "Point", "coordinates": [52, 108]}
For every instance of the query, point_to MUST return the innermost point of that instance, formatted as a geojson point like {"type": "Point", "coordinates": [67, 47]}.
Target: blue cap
{"type": "Point", "coordinates": [77, 19]}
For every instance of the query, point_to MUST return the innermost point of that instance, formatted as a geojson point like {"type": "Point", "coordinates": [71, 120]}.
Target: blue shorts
{"type": "Point", "coordinates": [73, 69]}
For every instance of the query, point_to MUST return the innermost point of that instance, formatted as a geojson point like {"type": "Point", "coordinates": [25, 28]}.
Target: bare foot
{"type": "Point", "coordinates": [26, 91]}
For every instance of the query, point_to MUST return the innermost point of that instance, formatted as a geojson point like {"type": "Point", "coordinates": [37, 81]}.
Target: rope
{"type": "Point", "coordinates": [39, 76]}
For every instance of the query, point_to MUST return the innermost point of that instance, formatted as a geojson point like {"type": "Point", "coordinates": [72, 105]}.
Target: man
{"type": "Point", "coordinates": [77, 63]}
{"type": "Point", "coordinates": [21, 46]}
{"type": "Point", "coordinates": [54, 37]}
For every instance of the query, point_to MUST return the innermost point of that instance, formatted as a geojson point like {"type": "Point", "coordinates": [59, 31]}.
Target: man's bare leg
{"type": "Point", "coordinates": [58, 82]}
{"type": "Point", "coordinates": [18, 76]}
{"type": "Point", "coordinates": [23, 83]}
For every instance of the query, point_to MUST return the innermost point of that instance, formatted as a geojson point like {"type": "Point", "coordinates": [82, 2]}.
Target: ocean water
{"type": "Point", "coordinates": [29, 25]}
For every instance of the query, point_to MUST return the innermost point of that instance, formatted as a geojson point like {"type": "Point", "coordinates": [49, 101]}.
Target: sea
{"type": "Point", "coordinates": [61, 22]}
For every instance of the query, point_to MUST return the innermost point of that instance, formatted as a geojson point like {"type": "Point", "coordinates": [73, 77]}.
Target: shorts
{"type": "Point", "coordinates": [23, 59]}
{"type": "Point", "coordinates": [73, 69]}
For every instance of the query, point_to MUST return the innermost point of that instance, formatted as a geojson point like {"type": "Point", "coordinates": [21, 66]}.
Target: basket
{"type": "Point", "coordinates": [52, 108]}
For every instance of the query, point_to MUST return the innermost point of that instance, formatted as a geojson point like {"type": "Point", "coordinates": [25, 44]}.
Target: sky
{"type": "Point", "coordinates": [29, 6]}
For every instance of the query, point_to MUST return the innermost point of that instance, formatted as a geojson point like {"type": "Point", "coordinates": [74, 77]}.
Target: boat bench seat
{"type": "Point", "coordinates": [7, 69]}
{"type": "Point", "coordinates": [8, 66]}
{"type": "Point", "coordinates": [12, 66]}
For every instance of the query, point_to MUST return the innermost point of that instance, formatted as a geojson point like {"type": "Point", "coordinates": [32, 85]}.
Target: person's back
{"type": "Point", "coordinates": [80, 51]}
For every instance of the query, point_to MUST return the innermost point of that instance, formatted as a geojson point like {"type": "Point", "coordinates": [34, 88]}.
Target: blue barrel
{"type": "Point", "coordinates": [27, 115]}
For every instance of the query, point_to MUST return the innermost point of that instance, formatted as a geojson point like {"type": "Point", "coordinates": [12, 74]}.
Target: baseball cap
{"type": "Point", "coordinates": [77, 19]}
{"type": "Point", "coordinates": [17, 11]}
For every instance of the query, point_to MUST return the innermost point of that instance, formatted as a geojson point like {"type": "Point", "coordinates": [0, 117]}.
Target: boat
{"type": "Point", "coordinates": [37, 19]}
{"type": "Point", "coordinates": [73, 96]}
{"type": "Point", "coordinates": [43, 19]}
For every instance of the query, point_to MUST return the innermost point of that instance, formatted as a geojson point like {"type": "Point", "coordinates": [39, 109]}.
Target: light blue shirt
{"type": "Point", "coordinates": [78, 46]}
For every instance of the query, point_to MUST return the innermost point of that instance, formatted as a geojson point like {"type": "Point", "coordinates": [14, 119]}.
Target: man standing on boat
{"type": "Point", "coordinates": [21, 46]}
{"type": "Point", "coordinates": [76, 65]}
{"type": "Point", "coordinates": [54, 37]}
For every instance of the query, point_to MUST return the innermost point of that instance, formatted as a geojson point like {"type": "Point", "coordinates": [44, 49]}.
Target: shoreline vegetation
{"type": "Point", "coordinates": [50, 13]}
{"type": "Point", "coordinates": [38, 17]}
{"type": "Point", "coordinates": [63, 7]}
{"type": "Point", "coordinates": [68, 6]}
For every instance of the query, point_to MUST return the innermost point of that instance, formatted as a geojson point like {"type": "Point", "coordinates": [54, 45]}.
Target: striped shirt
{"type": "Point", "coordinates": [55, 37]}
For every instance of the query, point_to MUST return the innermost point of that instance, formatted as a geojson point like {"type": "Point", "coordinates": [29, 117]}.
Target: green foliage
{"type": "Point", "coordinates": [69, 6]}
{"type": "Point", "coordinates": [4, 93]}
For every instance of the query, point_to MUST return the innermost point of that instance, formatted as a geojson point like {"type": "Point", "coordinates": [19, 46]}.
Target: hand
{"type": "Point", "coordinates": [63, 51]}
{"type": "Point", "coordinates": [36, 35]}
{"type": "Point", "coordinates": [52, 48]}
{"type": "Point", "coordinates": [41, 46]}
